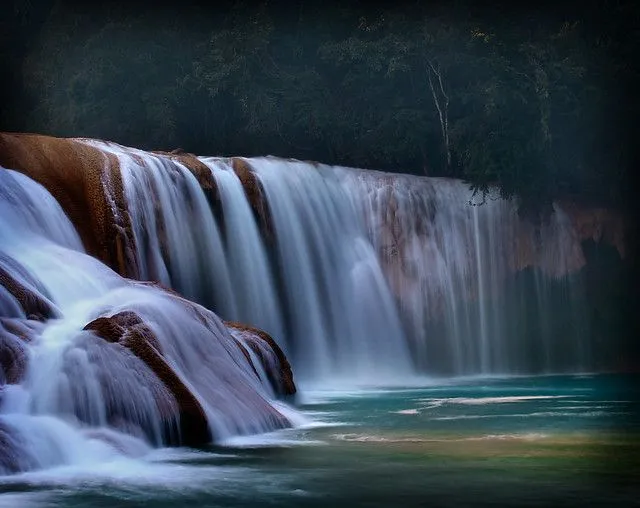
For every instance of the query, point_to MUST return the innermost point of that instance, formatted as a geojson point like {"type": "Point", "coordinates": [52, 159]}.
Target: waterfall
{"type": "Point", "coordinates": [178, 242]}
{"type": "Point", "coordinates": [363, 276]}
{"type": "Point", "coordinates": [319, 290]}
{"type": "Point", "coordinates": [358, 277]}
{"type": "Point", "coordinates": [253, 282]}
{"type": "Point", "coordinates": [343, 322]}
{"type": "Point", "coordinates": [462, 272]}
{"type": "Point", "coordinates": [73, 397]}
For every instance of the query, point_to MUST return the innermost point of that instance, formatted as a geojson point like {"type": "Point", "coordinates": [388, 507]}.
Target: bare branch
{"type": "Point", "coordinates": [441, 105]}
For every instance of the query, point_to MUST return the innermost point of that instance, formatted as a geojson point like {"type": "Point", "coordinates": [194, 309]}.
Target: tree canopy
{"type": "Point", "coordinates": [535, 100]}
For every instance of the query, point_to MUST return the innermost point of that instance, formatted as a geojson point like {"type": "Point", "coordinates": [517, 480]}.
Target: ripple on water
{"type": "Point", "coordinates": [372, 438]}
{"type": "Point", "coordinates": [480, 401]}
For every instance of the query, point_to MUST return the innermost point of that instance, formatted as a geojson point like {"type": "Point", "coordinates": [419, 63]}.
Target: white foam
{"type": "Point", "coordinates": [479, 401]}
{"type": "Point", "coordinates": [536, 414]}
{"type": "Point", "coordinates": [372, 438]}
{"type": "Point", "coordinates": [268, 440]}
{"type": "Point", "coordinates": [527, 436]}
{"type": "Point", "coordinates": [186, 455]}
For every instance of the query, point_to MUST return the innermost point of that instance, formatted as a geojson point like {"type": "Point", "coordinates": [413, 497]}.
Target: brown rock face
{"type": "Point", "coordinates": [34, 305]}
{"type": "Point", "coordinates": [87, 183]}
{"type": "Point", "coordinates": [195, 165]}
{"type": "Point", "coordinates": [128, 329]}
{"type": "Point", "coordinates": [14, 334]}
{"type": "Point", "coordinates": [280, 377]}
{"type": "Point", "coordinates": [253, 191]}
{"type": "Point", "coordinates": [205, 178]}
{"type": "Point", "coordinates": [597, 224]}
{"type": "Point", "coordinates": [13, 459]}
{"type": "Point", "coordinates": [121, 327]}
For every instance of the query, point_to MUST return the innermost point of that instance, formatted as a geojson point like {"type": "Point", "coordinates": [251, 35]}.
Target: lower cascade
{"type": "Point", "coordinates": [118, 267]}
{"type": "Point", "coordinates": [93, 365]}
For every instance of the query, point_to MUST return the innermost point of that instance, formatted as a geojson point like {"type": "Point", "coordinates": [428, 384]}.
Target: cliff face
{"type": "Point", "coordinates": [597, 224]}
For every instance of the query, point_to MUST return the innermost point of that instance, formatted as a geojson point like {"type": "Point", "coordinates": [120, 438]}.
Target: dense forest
{"type": "Point", "coordinates": [537, 100]}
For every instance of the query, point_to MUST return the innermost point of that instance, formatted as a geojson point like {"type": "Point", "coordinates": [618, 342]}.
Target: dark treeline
{"type": "Point", "coordinates": [537, 100]}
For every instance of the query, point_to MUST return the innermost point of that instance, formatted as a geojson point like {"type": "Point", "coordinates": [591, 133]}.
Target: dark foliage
{"type": "Point", "coordinates": [536, 100]}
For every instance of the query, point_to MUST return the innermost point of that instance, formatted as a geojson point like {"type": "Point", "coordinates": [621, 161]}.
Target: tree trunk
{"type": "Point", "coordinates": [441, 101]}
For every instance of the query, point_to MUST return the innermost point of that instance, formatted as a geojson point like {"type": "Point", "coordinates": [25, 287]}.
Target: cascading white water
{"type": "Point", "coordinates": [177, 239]}
{"type": "Point", "coordinates": [30, 222]}
{"type": "Point", "coordinates": [253, 282]}
{"type": "Point", "coordinates": [82, 399]}
{"type": "Point", "coordinates": [341, 238]}
{"type": "Point", "coordinates": [323, 297]}
{"type": "Point", "coordinates": [448, 257]}
{"type": "Point", "coordinates": [342, 319]}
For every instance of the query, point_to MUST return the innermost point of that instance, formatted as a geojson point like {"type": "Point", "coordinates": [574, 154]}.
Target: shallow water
{"type": "Point", "coordinates": [538, 441]}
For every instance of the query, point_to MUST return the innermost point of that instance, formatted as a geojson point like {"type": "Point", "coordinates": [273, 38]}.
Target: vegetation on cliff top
{"type": "Point", "coordinates": [531, 99]}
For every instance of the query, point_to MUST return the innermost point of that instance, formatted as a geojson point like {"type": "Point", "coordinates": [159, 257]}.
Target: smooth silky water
{"type": "Point", "coordinates": [359, 264]}
{"type": "Point", "coordinates": [550, 440]}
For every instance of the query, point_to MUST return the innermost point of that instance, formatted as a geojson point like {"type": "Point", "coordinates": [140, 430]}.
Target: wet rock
{"type": "Point", "coordinates": [19, 283]}
{"type": "Point", "coordinates": [255, 196]}
{"type": "Point", "coordinates": [266, 349]}
{"type": "Point", "coordinates": [597, 224]}
{"type": "Point", "coordinates": [13, 351]}
{"type": "Point", "coordinates": [87, 183]}
{"type": "Point", "coordinates": [129, 330]}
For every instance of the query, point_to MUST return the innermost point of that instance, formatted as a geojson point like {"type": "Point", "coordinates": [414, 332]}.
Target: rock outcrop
{"type": "Point", "coordinates": [128, 329]}
{"type": "Point", "coordinates": [196, 166]}
{"type": "Point", "coordinates": [14, 336]}
{"type": "Point", "coordinates": [272, 359]}
{"type": "Point", "coordinates": [33, 303]}
{"type": "Point", "coordinates": [255, 195]}
{"type": "Point", "coordinates": [87, 183]}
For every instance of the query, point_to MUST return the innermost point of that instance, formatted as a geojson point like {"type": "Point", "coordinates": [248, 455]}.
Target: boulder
{"type": "Point", "coordinates": [14, 335]}
{"type": "Point", "coordinates": [22, 286]}
{"type": "Point", "coordinates": [129, 330]}
{"type": "Point", "coordinates": [263, 346]}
